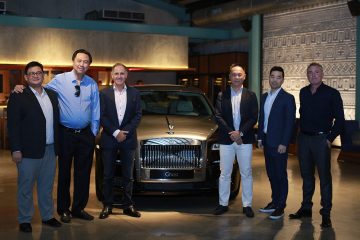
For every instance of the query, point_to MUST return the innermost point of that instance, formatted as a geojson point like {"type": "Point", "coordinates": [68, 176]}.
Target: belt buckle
{"type": "Point", "coordinates": [77, 131]}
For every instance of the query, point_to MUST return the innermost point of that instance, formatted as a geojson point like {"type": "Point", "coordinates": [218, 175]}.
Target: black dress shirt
{"type": "Point", "coordinates": [322, 111]}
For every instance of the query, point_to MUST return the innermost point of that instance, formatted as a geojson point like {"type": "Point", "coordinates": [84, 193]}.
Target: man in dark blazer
{"type": "Point", "coordinates": [33, 119]}
{"type": "Point", "coordinates": [236, 114]}
{"type": "Point", "coordinates": [120, 114]}
{"type": "Point", "coordinates": [276, 124]}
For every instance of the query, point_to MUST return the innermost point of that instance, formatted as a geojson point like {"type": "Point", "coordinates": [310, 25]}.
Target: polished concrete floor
{"type": "Point", "coordinates": [190, 217]}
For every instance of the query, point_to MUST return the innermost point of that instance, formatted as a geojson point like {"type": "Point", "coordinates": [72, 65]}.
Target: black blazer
{"type": "Point", "coordinates": [109, 120]}
{"type": "Point", "coordinates": [27, 123]}
{"type": "Point", "coordinates": [248, 112]}
{"type": "Point", "coordinates": [281, 120]}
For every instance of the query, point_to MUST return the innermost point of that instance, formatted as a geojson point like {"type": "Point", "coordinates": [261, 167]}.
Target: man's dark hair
{"type": "Point", "coordinates": [33, 64]}
{"type": "Point", "coordinates": [279, 69]}
{"type": "Point", "coordinates": [82, 51]}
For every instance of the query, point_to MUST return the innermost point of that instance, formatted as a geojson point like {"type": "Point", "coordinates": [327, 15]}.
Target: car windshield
{"type": "Point", "coordinates": [174, 103]}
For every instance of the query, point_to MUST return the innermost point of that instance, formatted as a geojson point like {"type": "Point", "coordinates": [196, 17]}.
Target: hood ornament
{"type": "Point", "coordinates": [170, 126]}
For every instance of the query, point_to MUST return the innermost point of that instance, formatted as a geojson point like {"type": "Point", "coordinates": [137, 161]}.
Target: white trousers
{"type": "Point", "coordinates": [244, 156]}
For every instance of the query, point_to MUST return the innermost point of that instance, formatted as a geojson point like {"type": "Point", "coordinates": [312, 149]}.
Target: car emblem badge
{"type": "Point", "coordinates": [171, 127]}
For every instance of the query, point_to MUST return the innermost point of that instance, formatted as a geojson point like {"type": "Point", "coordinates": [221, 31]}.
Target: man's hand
{"type": "Point", "coordinates": [16, 156]}
{"type": "Point", "coordinates": [281, 149]}
{"type": "Point", "coordinates": [235, 137]}
{"type": "Point", "coordinates": [121, 136]}
{"type": "Point", "coordinates": [19, 88]}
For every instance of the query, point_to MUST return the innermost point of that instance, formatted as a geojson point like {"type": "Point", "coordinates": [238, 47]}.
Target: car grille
{"type": "Point", "coordinates": [170, 153]}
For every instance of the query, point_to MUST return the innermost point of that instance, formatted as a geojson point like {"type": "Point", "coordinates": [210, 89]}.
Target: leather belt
{"type": "Point", "coordinates": [313, 133]}
{"type": "Point", "coordinates": [75, 131]}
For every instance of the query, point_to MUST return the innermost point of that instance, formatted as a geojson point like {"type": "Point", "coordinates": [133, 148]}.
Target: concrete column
{"type": "Point", "coordinates": [254, 77]}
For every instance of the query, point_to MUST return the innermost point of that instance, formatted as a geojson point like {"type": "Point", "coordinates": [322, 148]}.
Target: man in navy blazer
{"type": "Point", "coordinates": [120, 115]}
{"type": "Point", "coordinates": [276, 124]}
{"type": "Point", "coordinates": [33, 120]}
{"type": "Point", "coordinates": [236, 114]}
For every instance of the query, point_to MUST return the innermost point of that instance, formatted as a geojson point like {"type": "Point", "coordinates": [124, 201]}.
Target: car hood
{"type": "Point", "coordinates": [157, 126]}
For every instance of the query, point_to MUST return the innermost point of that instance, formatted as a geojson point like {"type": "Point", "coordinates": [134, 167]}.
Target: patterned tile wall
{"type": "Point", "coordinates": [320, 33]}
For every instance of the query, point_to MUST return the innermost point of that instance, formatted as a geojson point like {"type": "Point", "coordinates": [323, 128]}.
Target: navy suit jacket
{"type": "Point", "coordinates": [281, 120]}
{"type": "Point", "coordinates": [109, 120]}
{"type": "Point", "coordinates": [248, 113]}
{"type": "Point", "coordinates": [27, 123]}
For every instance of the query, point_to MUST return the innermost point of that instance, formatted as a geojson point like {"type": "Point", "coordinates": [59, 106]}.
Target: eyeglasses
{"type": "Point", "coordinates": [33, 74]}
{"type": "Point", "coordinates": [77, 93]}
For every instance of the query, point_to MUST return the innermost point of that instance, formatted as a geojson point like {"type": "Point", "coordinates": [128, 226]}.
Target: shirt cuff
{"type": "Point", "coordinates": [116, 133]}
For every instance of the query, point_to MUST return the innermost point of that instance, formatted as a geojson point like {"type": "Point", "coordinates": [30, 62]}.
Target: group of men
{"type": "Point", "coordinates": [63, 119]}
{"type": "Point", "coordinates": [321, 121]}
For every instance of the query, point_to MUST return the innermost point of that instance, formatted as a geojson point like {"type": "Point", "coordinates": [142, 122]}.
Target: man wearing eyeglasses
{"type": "Point", "coordinates": [33, 132]}
{"type": "Point", "coordinates": [79, 123]}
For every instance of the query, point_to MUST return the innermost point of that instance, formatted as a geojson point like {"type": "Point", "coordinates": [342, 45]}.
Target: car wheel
{"type": "Point", "coordinates": [99, 175]}
{"type": "Point", "coordinates": [235, 181]}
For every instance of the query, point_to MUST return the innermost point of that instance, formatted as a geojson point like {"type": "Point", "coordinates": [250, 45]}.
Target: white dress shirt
{"type": "Point", "coordinates": [47, 109]}
{"type": "Point", "coordinates": [235, 104]}
{"type": "Point", "coordinates": [267, 106]}
{"type": "Point", "coordinates": [120, 102]}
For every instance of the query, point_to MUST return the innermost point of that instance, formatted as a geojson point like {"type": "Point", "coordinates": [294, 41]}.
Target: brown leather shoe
{"type": "Point", "coordinates": [131, 211]}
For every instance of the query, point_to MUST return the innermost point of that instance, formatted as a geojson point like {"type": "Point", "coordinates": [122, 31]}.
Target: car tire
{"type": "Point", "coordinates": [99, 175]}
{"type": "Point", "coordinates": [235, 181]}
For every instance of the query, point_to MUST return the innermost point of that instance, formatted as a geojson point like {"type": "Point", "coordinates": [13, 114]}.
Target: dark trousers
{"type": "Point", "coordinates": [127, 166]}
{"type": "Point", "coordinates": [80, 148]}
{"type": "Point", "coordinates": [314, 151]}
{"type": "Point", "coordinates": [276, 168]}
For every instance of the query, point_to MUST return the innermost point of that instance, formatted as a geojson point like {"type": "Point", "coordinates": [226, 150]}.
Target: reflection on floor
{"type": "Point", "coordinates": [190, 218]}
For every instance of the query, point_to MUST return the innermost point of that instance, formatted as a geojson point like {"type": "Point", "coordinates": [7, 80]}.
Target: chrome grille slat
{"type": "Point", "coordinates": [154, 154]}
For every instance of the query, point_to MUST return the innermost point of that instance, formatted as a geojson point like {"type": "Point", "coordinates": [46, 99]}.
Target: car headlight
{"type": "Point", "coordinates": [215, 147]}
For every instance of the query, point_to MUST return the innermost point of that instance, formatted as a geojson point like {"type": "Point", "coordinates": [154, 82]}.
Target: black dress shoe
{"type": "Point", "coordinates": [83, 215]}
{"type": "Point", "coordinates": [301, 213]}
{"type": "Point", "coordinates": [220, 209]}
{"type": "Point", "coordinates": [25, 227]}
{"type": "Point", "coordinates": [326, 221]}
{"type": "Point", "coordinates": [106, 211]}
{"type": "Point", "coordinates": [248, 212]}
{"type": "Point", "coordinates": [131, 211]}
{"type": "Point", "coordinates": [65, 217]}
{"type": "Point", "coordinates": [52, 222]}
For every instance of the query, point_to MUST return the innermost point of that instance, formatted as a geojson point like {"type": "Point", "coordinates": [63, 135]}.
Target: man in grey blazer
{"type": "Point", "coordinates": [33, 120]}
{"type": "Point", "coordinates": [236, 114]}
{"type": "Point", "coordinates": [120, 115]}
{"type": "Point", "coordinates": [276, 124]}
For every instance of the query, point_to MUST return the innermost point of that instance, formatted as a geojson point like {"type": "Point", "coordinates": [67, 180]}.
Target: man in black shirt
{"type": "Point", "coordinates": [321, 121]}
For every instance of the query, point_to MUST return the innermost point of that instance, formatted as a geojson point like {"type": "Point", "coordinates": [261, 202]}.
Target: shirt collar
{"type": "Point", "coordinates": [117, 90]}
{"type": "Point", "coordinates": [43, 93]}
{"type": "Point", "coordinates": [274, 93]}
{"type": "Point", "coordinates": [236, 92]}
